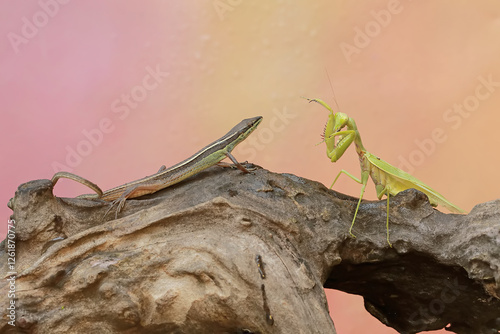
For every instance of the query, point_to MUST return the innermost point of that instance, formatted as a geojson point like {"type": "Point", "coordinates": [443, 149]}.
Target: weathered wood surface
{"type": "Point", "coordinates": [185, 260]}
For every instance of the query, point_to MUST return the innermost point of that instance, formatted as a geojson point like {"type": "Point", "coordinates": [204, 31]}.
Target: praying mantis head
{"type": "Point", "coordinates": [340, 132]}
{"type": "Point", "coordinates": [340, 121]}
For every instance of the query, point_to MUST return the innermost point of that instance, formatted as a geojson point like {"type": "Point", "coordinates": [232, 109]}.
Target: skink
{"type": "Point", "coordinates": [165, 177]}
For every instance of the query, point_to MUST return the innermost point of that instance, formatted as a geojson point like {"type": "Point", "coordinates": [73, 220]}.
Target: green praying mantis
{"type": "Point", "coordinates": [388, 179]}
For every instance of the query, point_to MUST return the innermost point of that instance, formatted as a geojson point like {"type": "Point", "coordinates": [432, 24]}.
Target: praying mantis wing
{"type": "Point", "coordinates": [398, 180]}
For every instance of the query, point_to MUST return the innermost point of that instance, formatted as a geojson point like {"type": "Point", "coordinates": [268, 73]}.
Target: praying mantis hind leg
{"type": "Point", "coordinates": [387, 223]}
{"type": "Point", "coordinates": [363, 182]}
{"type": "Point", "coordinates": [381, 191]}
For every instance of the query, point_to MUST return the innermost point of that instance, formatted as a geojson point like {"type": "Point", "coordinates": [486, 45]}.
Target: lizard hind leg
{"type": "Point", "coordinates": [120, 201]}
{"type": "Point", "coordinates": [132, 192]}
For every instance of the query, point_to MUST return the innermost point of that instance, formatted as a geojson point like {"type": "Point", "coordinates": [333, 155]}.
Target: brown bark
{"type": "Point", "coordinates": [226, 252]}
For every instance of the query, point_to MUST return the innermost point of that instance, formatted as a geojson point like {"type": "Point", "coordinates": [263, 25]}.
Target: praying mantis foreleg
{"type": "Point", "coordinates": [335, 150]}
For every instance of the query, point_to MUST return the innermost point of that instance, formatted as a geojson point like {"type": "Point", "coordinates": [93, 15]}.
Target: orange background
{"type": "Point", "coordinates": [399, 68]}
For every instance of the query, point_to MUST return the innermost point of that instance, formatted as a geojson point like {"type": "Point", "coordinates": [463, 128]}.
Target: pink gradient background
{"type": "Point", "coordinates": [255, 59]}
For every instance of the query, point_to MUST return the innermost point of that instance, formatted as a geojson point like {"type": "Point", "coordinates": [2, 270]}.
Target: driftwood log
{"type": "Point", "coordinates": [227, 252]}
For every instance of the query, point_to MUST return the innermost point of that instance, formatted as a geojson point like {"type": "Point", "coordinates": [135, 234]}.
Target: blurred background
{"type": "Point", "coordinates": [112, 90]}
